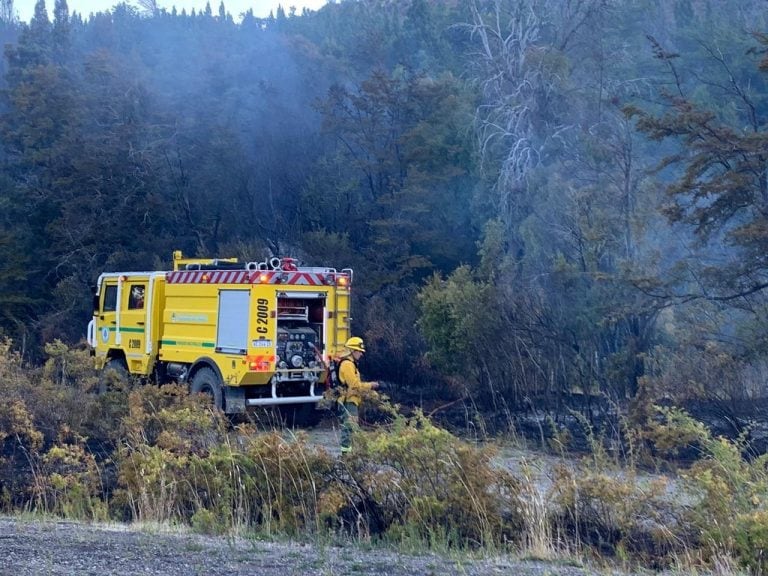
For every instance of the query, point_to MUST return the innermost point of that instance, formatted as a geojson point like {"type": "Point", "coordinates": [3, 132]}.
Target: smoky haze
{"type": "Point", "coordinates": [501, 203]}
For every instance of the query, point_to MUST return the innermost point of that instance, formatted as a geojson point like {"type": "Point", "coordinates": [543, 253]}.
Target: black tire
{"type": "Point", "coordinates": [114, 373]}
{"type": "Point", "coordinates": [205, 381]}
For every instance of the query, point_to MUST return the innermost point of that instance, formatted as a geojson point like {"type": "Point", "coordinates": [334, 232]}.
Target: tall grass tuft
{"type": "Point", "coordinates": [416, 478]}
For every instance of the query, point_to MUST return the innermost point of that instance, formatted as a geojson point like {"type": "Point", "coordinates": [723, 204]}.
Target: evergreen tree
{"type": "Point", "coordinates": [61, 32]}
{"type": "Point", "coordinates": [36, 128]}
{"type": "Point", "coordinates": [409, 174]}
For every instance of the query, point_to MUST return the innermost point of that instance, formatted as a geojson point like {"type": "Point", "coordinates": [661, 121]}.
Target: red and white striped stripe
{"type": "Point", "coordinates": [245, 277]}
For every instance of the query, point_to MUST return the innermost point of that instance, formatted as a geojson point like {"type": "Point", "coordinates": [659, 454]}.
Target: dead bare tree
{"type": "Point", "coordinates": [149, 6]}
{"type": "Point", "coordinates": [7, 11]}
{"type": "Point", "coordinates": [520, 48]}
{"type": "Point", "coordinates": [507, 35]}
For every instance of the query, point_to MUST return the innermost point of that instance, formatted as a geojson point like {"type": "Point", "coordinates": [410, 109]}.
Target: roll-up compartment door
{"type": "Point", "coordinates": [232, 329]}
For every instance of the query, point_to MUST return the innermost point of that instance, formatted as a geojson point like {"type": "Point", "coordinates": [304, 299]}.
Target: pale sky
{"type": "Point", "coordinates": [25, 8]}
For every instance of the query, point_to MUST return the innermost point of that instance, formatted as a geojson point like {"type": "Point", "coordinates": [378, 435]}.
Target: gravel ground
{"type": "Point", "coordinates": [42, 547]}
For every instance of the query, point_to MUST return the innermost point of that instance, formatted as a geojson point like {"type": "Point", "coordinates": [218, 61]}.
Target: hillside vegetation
{"type": "Point", "coordinates": [159, 456]}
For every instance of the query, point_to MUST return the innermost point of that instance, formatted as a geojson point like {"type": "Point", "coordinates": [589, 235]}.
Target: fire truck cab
{"type": "Point", "coordinates": [248, 334]}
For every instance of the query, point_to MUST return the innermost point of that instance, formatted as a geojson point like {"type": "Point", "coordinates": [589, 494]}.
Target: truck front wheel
{"type": "Point", "coordinates": [112, 375]}
{"type": "Point", "coordinates": [205, 381]}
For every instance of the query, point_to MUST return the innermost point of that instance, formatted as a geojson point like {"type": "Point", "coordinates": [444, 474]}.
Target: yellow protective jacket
{"type": "Point", "coordinates": [353, 388]}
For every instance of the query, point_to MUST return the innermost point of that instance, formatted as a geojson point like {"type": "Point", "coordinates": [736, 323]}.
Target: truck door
{"type": "Point", "coordinates": [106, 325]}
{"type": "Point", "coordinates": [132, 322]}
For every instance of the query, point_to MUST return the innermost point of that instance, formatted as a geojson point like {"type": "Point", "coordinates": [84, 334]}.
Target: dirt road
{"type": "Point", "coordinates": [40, 548]}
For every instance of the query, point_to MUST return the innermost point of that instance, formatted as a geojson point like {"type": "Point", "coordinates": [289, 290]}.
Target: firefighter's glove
{"type": "Point", "coordinates": [381, 386]}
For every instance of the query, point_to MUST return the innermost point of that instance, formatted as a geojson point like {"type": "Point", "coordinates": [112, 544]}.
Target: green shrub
{"type": "Point", "coordinates": [205, 522]}
{"type": "Point", "coordinates": [44, 418]}
{"type": "Point", "coordinates": [750, 540]}
{"type": "Point", "coordinates": [670, 432]}
{"type": "Point", "coordinates": [178, 463]}
{"type": "Point", "coordinates": [284, 479]}
{"type": "Point", "coordinates": [164, 431]}
{"type": "Point", "coordinates": [730, 507]}
{"type": "Point", "coordinates": [724, 492]}
{"type": "Point", "coordinates": [615, 514]}
{"type": "Point", "coordinates": [20, 445]}
{"type": "Point", "coordinates": [70, 367]}
{"type": "Point", "coordinates": [419, 479]}
{"type": "Point", "coordinates": [69, 483]}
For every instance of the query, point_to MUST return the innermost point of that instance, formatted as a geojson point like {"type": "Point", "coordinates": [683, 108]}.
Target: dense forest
{"type": "Point", "coordinates": [542, 201]}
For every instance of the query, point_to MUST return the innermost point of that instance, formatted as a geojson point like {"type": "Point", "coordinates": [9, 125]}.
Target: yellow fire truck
{"type": "Point", "coordinates": [245, 333]}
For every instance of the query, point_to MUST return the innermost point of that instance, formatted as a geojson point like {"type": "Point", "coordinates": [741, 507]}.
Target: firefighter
{"type": "Point", "coordinates": [353, 389]}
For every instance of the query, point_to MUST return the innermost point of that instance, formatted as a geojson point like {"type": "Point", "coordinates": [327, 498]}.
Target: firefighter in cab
{"type": "Point", "coordinates": [352, 389]}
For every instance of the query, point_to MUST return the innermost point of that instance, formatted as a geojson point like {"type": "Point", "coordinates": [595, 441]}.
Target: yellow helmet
{"type": "Point", "coordinates": [355, 343]}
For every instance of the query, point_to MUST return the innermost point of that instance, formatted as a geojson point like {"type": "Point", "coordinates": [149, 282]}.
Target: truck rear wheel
{"type": "Point", "coordinates": [205, 381]}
